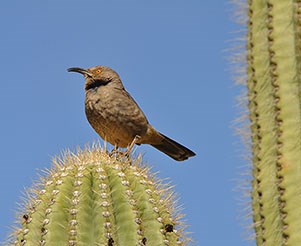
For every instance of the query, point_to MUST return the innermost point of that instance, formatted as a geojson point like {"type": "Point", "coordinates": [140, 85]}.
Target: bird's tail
{"type": "Point", "coordinates": [173, 149]}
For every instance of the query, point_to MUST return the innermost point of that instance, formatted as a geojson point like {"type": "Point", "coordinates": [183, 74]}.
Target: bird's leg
{"type": "Point", "coordinates": [135, 140]}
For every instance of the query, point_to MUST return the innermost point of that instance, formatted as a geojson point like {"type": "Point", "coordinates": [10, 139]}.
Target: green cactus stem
{"type": "Point", "coordinates": [91, 198]}
{"type": "Point", "coordinates": [274, 86]}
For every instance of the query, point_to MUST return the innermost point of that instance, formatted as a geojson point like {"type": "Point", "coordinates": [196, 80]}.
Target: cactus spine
{"type": "Point", "coordinates": [94, 199]}
{"type": "Point", "coordinates": [274, 92]}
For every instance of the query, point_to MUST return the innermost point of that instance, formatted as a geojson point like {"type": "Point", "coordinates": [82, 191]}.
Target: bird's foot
{"type": "Point", "coordinates": [114, 151]}
{"type": "Point", "coordinates": [125, 154]}
{"type": "Point", "coordinates": [121, 155]}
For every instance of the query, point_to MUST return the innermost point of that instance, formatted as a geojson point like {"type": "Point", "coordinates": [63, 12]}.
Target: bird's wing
{"type": "Point", "coordinates": [131, 104]}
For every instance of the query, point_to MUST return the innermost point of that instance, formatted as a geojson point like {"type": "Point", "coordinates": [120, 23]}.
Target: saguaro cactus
{"type": "Point", "coordinates": [274, 85]}
{"type": "Point", "coordinates": [93, 199]}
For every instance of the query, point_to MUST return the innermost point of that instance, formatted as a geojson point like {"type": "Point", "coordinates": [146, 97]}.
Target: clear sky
{"type": "Point", "coordinates": [171, 56]}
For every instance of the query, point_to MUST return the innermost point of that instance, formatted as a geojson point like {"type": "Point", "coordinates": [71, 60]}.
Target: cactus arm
{"type": "Point", "coordinates": [274, 85]}
{"type": "Point", "coordinates": [288, 83]}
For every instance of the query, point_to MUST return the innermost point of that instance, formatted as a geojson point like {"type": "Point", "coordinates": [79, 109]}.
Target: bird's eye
{"type": "Point", "coordinates": [98, 71]}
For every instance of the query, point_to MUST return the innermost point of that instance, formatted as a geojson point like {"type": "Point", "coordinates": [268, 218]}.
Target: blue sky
{"type": "Point", "coordinates": [171, 57]}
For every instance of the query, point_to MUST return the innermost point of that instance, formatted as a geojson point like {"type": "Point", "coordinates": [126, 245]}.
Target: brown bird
{"type": "Point", "coordinates": [117, 118]}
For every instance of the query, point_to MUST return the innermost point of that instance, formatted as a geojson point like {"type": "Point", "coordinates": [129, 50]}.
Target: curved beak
{"type": "Point", "coordinates": [83, 71]}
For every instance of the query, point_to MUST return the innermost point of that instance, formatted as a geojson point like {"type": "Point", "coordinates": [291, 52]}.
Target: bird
{"type": "Point", "coordinates": [117, 118]}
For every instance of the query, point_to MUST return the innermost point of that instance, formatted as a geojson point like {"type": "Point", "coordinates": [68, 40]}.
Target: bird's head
{"type": "Point", "coordinates": [97, 76]}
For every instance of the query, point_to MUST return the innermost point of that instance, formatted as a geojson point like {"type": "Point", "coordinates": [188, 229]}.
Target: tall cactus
{"type": "Point", "coordinates": [274, 92]}
{"type": "Point", "coordinates": [92, 198]}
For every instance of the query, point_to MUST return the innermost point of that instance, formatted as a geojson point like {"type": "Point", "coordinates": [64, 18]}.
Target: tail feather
{"type": "Point", "coordinates": [173, 149]}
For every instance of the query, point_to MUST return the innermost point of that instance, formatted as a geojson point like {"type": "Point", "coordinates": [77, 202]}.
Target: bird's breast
{"type": "Point", "coordinates": [116, 118]}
